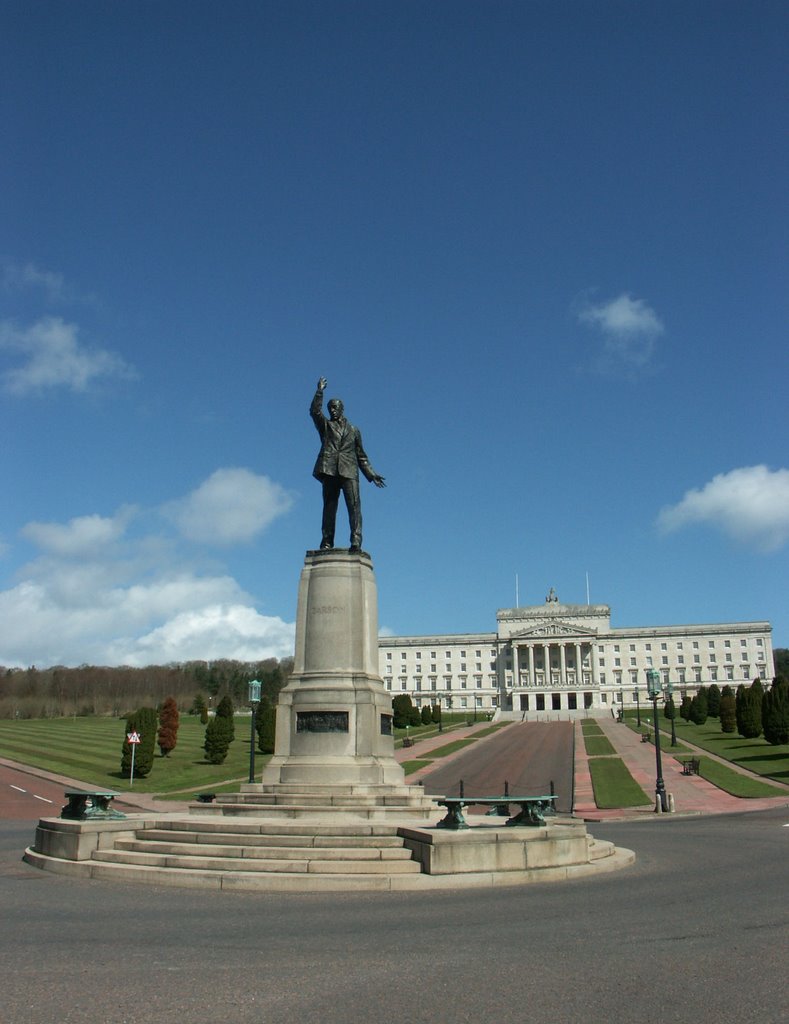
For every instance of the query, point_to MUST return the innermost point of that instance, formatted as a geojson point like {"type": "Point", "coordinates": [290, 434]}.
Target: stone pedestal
{"type": "Point", "coordinates": [334, 718]}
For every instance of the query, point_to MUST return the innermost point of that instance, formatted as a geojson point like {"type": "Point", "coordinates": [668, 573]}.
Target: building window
{"type": "Point", "coordinates": [663, 647]}
{"type": "Point", "coordinates": [727, 643]}
{"type": "Point", "coordinates": [680, 659]}
{"type": "Point", "coordinates": [418, 683]}
{"type": "Point", "coordinates": [664, 660]}
{"type": "Point", "coordinates": [388, 655]}
{"type": "Point", "coordinates": [647, 647]}
{"type": "Point", "coordinates": [632, 647]}
{"type": "Point", "coordinates": [712, 659]}
{"type": "Point", "coordinates": [418, 655]}
{"type": "Point", "coordinates": [714, 673]}
{"type": "Point", "coordinates": [389, 684]}
{"type": "Point", "coordinates": [602, 678]}
{"type": "Point", "coordinates": [478, 682]}
{"type": "Point", "coordinates": [730, 671]}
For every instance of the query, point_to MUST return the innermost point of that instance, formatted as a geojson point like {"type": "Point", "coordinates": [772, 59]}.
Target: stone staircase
{"type": "Point", "coordinates": [260, 855]}
{"type": "Point", "coordinates": [354, 802]}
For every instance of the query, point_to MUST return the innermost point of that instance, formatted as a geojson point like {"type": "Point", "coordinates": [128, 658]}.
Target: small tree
{"type": "Point", "coordinates": [266, 725]}
{"type": "Point", "coordinates": [713, 701]}
{"type": "Point", "coordinates": [402, 706]}
{"type": "Point", "coordinates": [217, 740]}
{"type": "Point", "coordinates": [727, 713]}
{"type": "Point", "coordinates": [748, 708]}
{"type": "Point", "coordinates": [143, 722]}
{"type": "Point", "coordinates": [426, 715]}
{"type": "Point", "coordinates": [684, 708]}
{"type": "Point", "coordinates": [198, 706]}
{"type": "Point", "coordinates": [698, 708]}
{"type": "Point", "coordinates": [415, 718]}
{"type": "Point", "coordinates": [225, 710]}
{"type": "Point", "coordinates": [435, 713]}
{"type": "Point", "coordinates": [775, 712]}
{"type": "Point", "coordinates": [669, 709]}
{"type": "Point", "coordinates": [168, 727]}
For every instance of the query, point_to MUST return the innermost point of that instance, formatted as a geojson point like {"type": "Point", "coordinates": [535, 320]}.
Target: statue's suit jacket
{"type": "Point", "coordinates": [342, 453]}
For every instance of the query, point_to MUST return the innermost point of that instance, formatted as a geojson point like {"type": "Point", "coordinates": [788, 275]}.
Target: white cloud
{"type": "Point", "coordinates": [82, 535]}
{"type": "Point", "coordinates": [19, 277]}
{"type": "Point", "coordinates": [98, 594]}
{"type": "Point", "coordinates": [629, 327]}
{"type": "Point", "coordinates": [750, 504]}
{"type": "Point", "coordinates": [54, 358]}
{"type": "Point", "coordinates": [208, 633]}
{"type": "Point", "coordinates": [232, 506]}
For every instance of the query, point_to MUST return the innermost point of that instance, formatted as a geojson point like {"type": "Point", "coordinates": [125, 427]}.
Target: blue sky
{"type": "Point", "coordinates": [537, 248]}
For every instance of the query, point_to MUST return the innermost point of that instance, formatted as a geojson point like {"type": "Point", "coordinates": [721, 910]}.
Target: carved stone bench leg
{"type": "Point", "coordinates": [454, 818]}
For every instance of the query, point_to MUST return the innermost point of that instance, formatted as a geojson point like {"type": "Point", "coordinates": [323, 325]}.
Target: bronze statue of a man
{"type": "Point", "coordinates": [337, 467]}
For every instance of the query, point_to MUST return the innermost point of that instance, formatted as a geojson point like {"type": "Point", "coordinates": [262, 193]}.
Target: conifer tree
{"type": "Point", "coordinates": [266, 725]}
{"type": "Point", "coordinates": [217, 740]}
{"type": "Point", "coordinates": [426, 715]}
{"type": "Point", "coordinates": [749, 710]}
{"type": "Point", "coordinates": [713, 701]}
{"type": "Point", "coordinates": [684, 708]}
{"type": "Point", "coordinates": [727, 713]}
{"type": "Point", "coordinates": [143, 722]}
{"type": "Point", "coordinates": [225, 710]}
{"type": "Point", "coordinates": [168, 726]}
{"type": "Point", "coordinates": [775, 712]}
{"type": "Point", "coordinates": [698, 707]}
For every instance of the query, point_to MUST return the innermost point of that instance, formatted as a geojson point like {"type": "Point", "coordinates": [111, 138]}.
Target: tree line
{"type": "Point", "coordinates": [58, 692]}
{"type": "Point", "coordinates": [750, 710]}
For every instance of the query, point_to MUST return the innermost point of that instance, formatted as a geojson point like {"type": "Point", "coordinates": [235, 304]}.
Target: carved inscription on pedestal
{"type": "Point", "coordinates": [321, 721]}
{"type": "Point", "coordinates": [386, 725]}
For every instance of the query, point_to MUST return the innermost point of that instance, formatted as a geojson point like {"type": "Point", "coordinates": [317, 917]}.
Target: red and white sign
{"type": "Point", "coordinates": [133, 737]}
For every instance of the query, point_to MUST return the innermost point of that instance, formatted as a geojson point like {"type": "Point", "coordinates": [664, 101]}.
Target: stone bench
{"type": "Point", "coordinates": [90, 805]}
{"type": "Point", "coordinates": [532, 809]}
{"type": "Point", "coordinates": [690, 765]}
{"type": "Point", "coordinates": [646, 737]}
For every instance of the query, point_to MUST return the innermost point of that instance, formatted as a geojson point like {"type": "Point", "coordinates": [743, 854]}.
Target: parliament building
{"type": "Point", "coordinates": [568, 657]}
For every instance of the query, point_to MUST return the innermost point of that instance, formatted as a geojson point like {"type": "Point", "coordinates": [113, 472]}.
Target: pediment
{"type": "Point", "coordinates": [545, 629]}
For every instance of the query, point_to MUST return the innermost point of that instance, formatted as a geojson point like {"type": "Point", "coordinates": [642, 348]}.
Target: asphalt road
{"type": "Point", "coordinates": [696, 931]}
{"type": "Point", "coordinates": [530, 756]}
{"type": "Point", "coordinates": [26, 797]}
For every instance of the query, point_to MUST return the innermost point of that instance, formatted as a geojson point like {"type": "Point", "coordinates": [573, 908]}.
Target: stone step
{"type": "Point", "coordinates": [186, 849]}
{"type": "Point", "coordinates": [369, 813]}
{"type": "Point", "coordinates": [252, 864]}
{"type": "Point", "coordinates": [246, 881]}
{"type": "Point", "coordinates": [293, 839]}
{"type": "Point", "coordinates": [600, 848]}
{"type": "Point", "coordinates": [317, 830]}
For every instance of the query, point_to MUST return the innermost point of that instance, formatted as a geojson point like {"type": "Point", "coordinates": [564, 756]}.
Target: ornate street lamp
{"type": "Point", "coordinates": [669, 692]}
{"type": "Point", "coordinates": [638, 707]}
{"type": "Point", "coordinates": [254, 700]}
{"type": "Point", "coordinates": [654, 690]}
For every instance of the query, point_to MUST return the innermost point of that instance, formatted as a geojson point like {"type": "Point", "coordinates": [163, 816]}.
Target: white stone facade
{"type": "Point", "coordinates": [566, 657]}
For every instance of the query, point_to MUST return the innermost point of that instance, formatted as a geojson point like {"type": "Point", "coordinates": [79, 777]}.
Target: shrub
{"type": "Point", "coordinates": [142, 721]}
{"type": "Point", "coordinates": [266, 725]}
{"type": "Point", "coordinates": [698, 708]}
{"type": "Point", "coordinates": [435, 713]}
{"type": "Point", "coordinates": [168, 727]}
{"type": "Point", "coordinates": [684, 708]}
{"type": "Point", "coordinates": [402, 706]}
{"type": "Point", "coordinates": [727, 714]}
{"type": "Point", "coordinates": [217, 739]}
{"type": "Point", "coordinates": [225, 710]}
{"type": "Point", "coordinates": [748, 710]}
{"type": "Point", "coordinates": [775, 713]}
{"type": "Point", "coordinates": [669, 709]}
{"type": "Point", "coordinates": [713, 701]}
{"type": "Point", "coordinates": [426, 715]}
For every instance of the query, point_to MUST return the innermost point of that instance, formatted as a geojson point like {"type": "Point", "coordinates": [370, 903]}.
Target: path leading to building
{"type": "Point", "coordinates": [692, 794]}
{"type": "Point", "coordinates": [530, 756]}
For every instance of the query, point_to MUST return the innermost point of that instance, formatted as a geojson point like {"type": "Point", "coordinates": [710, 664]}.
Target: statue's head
{"type": "Point", "coordinates": [335, 408]}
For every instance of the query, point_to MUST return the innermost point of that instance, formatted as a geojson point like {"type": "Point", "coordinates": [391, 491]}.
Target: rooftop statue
{"type": "Point", "coordinates": [341, 457]}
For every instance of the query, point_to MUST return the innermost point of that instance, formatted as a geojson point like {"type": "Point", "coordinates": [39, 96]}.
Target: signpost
{"type": "Point", "coordinates": [132, 738]}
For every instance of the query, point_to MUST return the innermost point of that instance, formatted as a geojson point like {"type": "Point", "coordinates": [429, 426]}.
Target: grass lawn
{"type": "Point", "coordinates": [613, 784]}
{"type": "Point", "coordinates": [757, 755]}
{"type": "Point", "coordinates": [450, 748]}
{"type": "Point", "coordinates": [733, 782]}
{"type": "Point", "coordinates": [597, 745]}
{"type": "Point", "coordinates": [89, 750]}
{"type": "Point", "coordinates": [491, 729]}
{"type": "Point", "coordinates": [409, 767]}
{"type": "Point", "coordinates": [591, 728]}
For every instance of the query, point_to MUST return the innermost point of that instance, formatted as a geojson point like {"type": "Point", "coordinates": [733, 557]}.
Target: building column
{"type": "Point", "coordinates": [516, 667]}
{"type": "Point", "coordinates": [530, 649]}
{"type": "Point", "coordinates": [562, 665]}
{"type": "Point", "coordinates": [579, 675]}
{"type": "Point", "coordinates": [546, 661]}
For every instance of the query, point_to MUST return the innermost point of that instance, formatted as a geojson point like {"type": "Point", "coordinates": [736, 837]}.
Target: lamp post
{"type": "Point", "coordinates": [254, 700]}
{"type": "Point", "coordinates": [638, 707]}
{"type": "Point", "coordinates": [654, 690]}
